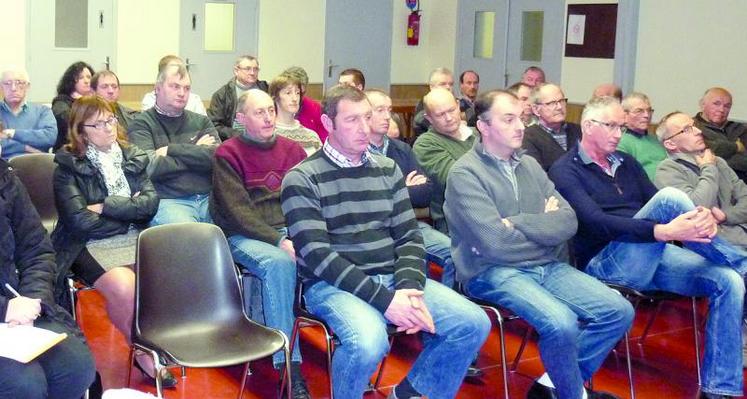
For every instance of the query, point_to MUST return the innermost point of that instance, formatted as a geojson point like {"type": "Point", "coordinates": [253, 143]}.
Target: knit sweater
{"type": "Point", "coordinates": [605, 205]}
{"type": "Point", "coordinates": [711, 185]}
{"type": "Point", "coordinates": [187, 168]}
{"type": "Point", "coordinates": [479, 194]}
{"type": "Point", "coordinates": [645, 148]}
{"type": "Point", "coordinates": [348, 224]}
{"type": "Point", "coordinates": [307, 138]}
{"type": "Point", "coordinates": [437, 154]}
{"type": "Point", "coordinates": [246, 186]}
{"type": "Point", "coordinates": [34, 126]}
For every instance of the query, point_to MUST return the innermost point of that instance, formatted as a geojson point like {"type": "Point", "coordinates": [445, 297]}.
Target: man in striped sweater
{"type": "Point", "coordinates": [360, 254]}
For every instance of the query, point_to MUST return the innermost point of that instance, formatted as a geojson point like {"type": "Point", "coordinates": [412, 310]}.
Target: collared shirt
{"type": "Point", "coordinates": [166, 113]}
{"type": "Point", "coordinates": [559, 136]}
{"type": "Point", "coordinates": [507, 167]}
{"type": "Point", "coordinates": [5, 107]}
{"type": "Point", "coordinates": [34, 126]}
{"type": "Point", "coordinates": [341, 160]}
{"type": "Point", "coordinates": [614, 160]}
{"type": "Point", "coordinates": [379, 150]}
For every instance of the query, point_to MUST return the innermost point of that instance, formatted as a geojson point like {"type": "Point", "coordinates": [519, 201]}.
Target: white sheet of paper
{"type": "Point", "coordinates": [576, 27]}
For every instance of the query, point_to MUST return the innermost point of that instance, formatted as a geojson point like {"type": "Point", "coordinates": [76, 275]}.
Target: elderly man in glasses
{"type": "Point", "coordinates": [24, 127]}
{"type": "Point", "coordinates": [636, 141]}
{"type": "Point", "coordinates": [552, 136]}
{"type": "Point", "coordinates": [624, 228]}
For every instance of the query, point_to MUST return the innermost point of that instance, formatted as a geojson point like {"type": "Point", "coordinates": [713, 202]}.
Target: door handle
{"type": "Point", "coordinates": [188, 64]}
{"type": "Point", "coordinates": [329, 68]}
{"type": "Point", "coordinates": [107, 63]}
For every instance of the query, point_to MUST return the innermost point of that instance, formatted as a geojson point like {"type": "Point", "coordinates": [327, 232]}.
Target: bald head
{"type": "Point", "coordinates": [442, 111]}
{"type": "Point", "coordinates": [257, 114]}
{"type": "Point", "coordinates": [608, 90]}
{"type": "Point", "coordinates": [716, 105]}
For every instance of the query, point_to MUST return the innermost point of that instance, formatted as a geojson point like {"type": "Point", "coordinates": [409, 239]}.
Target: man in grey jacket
{"type": "Point", "coordinates": [508, 225]}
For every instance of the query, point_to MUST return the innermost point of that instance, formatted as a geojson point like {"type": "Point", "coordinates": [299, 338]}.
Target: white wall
{"type": "Point", "coordinates": [13, 33]}
{"type": "Point", "coordinates": [687, 46]}
{"type": "Point", "coordinates": [413, 64]}
{"type": "Point", "coordinates": [579, 76]}
{"type": "Point", "coordinates": [138, 46]}
{"type": "Point", "coordinates": [291, 32]}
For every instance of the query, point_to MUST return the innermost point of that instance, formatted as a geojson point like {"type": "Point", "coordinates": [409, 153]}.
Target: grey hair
{"type": "Point", "coordinates": [173, 69]}
{"type": "Point", "coordinates": [596, 106]}
{"type": "Point", "coordinates": [19, 71]}
{"type": "Point", "coordinates": [626, 102]}
{"type": "Point", "coordinates": [245, 57]}
{"type": "Point", "coordinates": [662, 131]}
{"type": "Point", "coordinates": [439, 71]}
{"type": "Point", "coordinates": [537, 92]}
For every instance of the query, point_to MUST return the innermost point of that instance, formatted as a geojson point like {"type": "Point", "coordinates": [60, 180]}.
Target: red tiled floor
{"type": "Point", "coordinates": [663, 368]}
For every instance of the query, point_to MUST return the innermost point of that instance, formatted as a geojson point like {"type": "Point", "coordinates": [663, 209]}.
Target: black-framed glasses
{"type": "Point", "coordinates": [552, 104]}
{"type": "Point", "coordinates": [101, 125]}
{"type": "Point", "coordinates": [610, 126]}
{"type": "Point", "coordinates": [689, 129]}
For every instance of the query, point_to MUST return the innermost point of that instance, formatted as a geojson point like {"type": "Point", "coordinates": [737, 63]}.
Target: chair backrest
{"type": "Point", "coordinates": [185, 280]}
{"type": "Point", "coordinates": [35, 172]}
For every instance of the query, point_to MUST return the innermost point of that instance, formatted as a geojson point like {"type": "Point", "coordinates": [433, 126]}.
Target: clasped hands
{"type": "Point", "coordinates": [409, 313]}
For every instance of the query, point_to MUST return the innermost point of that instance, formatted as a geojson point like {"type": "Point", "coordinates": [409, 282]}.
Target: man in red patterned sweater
{"type": "Point", "coordinates": [247, 172]}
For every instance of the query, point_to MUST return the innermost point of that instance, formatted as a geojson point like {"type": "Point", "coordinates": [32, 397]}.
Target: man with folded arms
{"type": "Point", "coordinates": [727, 139]}
{"type": "Point", "coordinates": [508, 227]}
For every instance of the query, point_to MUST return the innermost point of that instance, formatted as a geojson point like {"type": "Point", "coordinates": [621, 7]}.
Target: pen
{"type": "Point", "coordinates": [12, 291]}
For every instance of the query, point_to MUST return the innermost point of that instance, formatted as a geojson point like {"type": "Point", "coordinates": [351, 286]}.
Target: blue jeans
{"type": "Point", "coordinates": [277, 271]}
{"type": "Point", "coordinates": [65, 371]}
{"type": "Point", "coordinates": [704, 270]}
{"type": "Point", "coordinates": [438, 250]}
{"type": "Point", "coordinates": [461, 328]}
{"type": "Point", "coordinates": [578, 318]}
{"type": "Point", "coordinates": [193, 208]}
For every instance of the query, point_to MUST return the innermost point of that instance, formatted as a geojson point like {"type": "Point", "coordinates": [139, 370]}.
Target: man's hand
{"type": "Point", "coordinates": [96, 208]}
{"type": "Point", "coordinates": [163, 151]}
{"type": "Point", "coordinates": [697, 225]}
{"type": "Point", "coordinates": [551, 204]}
{"type": "Point", "coordinates": [718, 214]}
{"type": "Point", "coordinates": [206, 140]}
{"type": "Point", "coordinates": [22, 310]}
{"type": "Point", "coordinates": [740, 146]}
{"type": "Point", "coordinates": [287, 246]}
{"type": "Point", "coordinates": [414, 179]}
{"type": "Point", "coordinates": [405, 316]}
{"type": "Point", "coordinates": [7, 133]}
{"type": "Point", "coordinates": [705, 158]}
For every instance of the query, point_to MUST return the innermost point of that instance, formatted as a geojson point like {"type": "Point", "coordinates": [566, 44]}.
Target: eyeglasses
{"type": "Point", "coordinates": [553, 104]}
{"type": "Point", "coordinates": [639, 111]}
{"type": "Point", "coordinates": [101, 125]}
{"type": "Point", "coordinates": [249, 68]}
{"type": "Point", "coordinates": [21, 84]}
{"type": "Point", "coordinates": [610, 126]}
{"type": "Point", "coordinates": [689, 129]}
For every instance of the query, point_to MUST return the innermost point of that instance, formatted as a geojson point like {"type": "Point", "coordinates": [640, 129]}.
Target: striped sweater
{"type": "Point", "coordinates": [348, 224]}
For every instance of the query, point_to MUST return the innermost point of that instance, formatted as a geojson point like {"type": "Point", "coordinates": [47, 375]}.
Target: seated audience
{"type": "Point", "coordinates": [624, 229]}
{"type": "Point", "coordinates": [509, 225]}
{"type": "Point", "coordinates": [440, 78]}
{"type": "Point", "coordinates": [522, 91]}
{"type": "Point", "coordinates": [286, 93]}
{"type": "Point", "coordinates": [727, 139]}
{"type": "Point", "coordinates": [180, 145]}
{"type": "Point", "coordinates": [223, 105]}
{"type": "Point", "coordinates": [25, 128]}
{"type": "Point", "coordinates": [74, 83]}
{"type": "Point", "coordinates": [194, 102]}
{"type": "Point", "coordinates": [360, 254]}
{"type": "Point", "coordinates": [245, 203]}
{"type": "Point", "coordinates": [436, 150]}
{"type": "Point", "coordinates": [66, 370]}
{"type": "Point", "coordinates": [552, 136]}
{"type": "Point", "coordinates": [469, 85]}
{"type": "Point", "coordinates": [636, 141]}
{"type": "Point", "coordinates": [608, 89]}
{"type": "Point", "coordinates": [310, 112]}
{"type": "Point", "coordinates": [352, 77]}
{"type": "Point", "coordinates": [419, 187]}
{"type": "Point", "coordinates": [533, 76]}
{"type": "Point", "coordinates": [103, 196]}
{"type": "Point", "coordinates": [106, 84]}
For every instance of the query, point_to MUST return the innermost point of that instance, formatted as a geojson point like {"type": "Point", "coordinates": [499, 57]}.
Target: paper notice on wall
{"type": "Point", "coordinates": [576, 27]}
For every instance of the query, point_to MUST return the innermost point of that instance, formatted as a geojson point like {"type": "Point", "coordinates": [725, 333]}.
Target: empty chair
{"type": "Point", "coordinates": [188, 308]}
{"type": "Point", "coordinates": [35, 172]}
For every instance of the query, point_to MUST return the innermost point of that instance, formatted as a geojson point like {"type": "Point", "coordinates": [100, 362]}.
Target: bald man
{"type": "Point", "coordinates": [245, 203]}
{"type": "Point", "coordinates": [440, 78]}
{"type": "Point", "coordinates": [437, 149]}
{"type": "Point", "coordinates": [725, 138]}
{"type": "Point", "coordinates": [552, 136]}
{"type": "Point", "coordinates": [608, 90]}
{"type": "Point", "coordinates": [24, 127]}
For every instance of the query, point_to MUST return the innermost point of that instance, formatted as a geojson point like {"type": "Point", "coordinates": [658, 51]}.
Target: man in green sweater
{"type": "Point", "coordinates": [636, 141]}
{"type": "Point", "coordinates": [446, 140]}
{"type": "Point", "coordinates": [508, 226]}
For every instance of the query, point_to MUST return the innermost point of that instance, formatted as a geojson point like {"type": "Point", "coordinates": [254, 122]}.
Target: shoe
{"type": "Point", "coordinates": [168, 381]}
{"type": "Point", "coordinates": [600, 395]}
{"type": "Point", "coordinates": [707, 395]}
{"type": "Point", "coordinates": [539, 391]}
{"type": "Point", "coordinates": [392, 395]}
{"type": "Point", "coordinates": [474, 372]}
{"type": "Point", "coordinates": [299, 390]}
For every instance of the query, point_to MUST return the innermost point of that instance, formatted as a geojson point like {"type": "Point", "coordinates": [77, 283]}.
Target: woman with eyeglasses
{"type": "Point", "coordinates": [74, 83]}
{"type": "Point", "coordinates": [103, 197]}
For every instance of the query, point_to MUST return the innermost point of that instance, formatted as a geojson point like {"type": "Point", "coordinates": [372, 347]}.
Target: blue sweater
{"type": "Point", "coordinates": [35, 126]}
{"type": "Point", "coordinates": [604, 205]}
{"type": "Point", "coordinates": [404, 157]}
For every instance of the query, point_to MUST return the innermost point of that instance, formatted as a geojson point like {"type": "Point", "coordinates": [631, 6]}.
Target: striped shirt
{"type": "Point", "coordinates": [348, 224]}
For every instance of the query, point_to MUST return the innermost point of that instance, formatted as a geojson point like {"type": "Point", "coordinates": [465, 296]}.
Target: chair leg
{"type": "Point", "coordinates": [626, 338]}
{"type": "Point", "coordinates": [291, 345]}
{"type": "Point", "coordinates": [158, 368]}
{"type": "Point", "coordinates": [696, 341]}
{"type": "Point", "coordinates": [132, 364]}
{"type": "Point", "coordinates": [381, 367]}
{"type": "Point", "coordinates": [289, 381]}
{"type": "Point", "coordinates": [73, 292]}
{"type": "Point", "coordinates": [330, 349]}
{"type": "Point", "coordinates": [243, 381]}
{"type": "Point", "coordinates": [523, 345]}
{"type": "Point", "coordinates": [650, 323]}
{"type": "Point", "coordinates": [504, 365]}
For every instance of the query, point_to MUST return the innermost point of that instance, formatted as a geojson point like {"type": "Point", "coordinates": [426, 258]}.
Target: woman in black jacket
{"type": "Point", "coordinates": [103, 195]}
{"type": "Point", "coordinates": [74, 83]}
{"type": "Point", "coordinates": [27, 266]}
